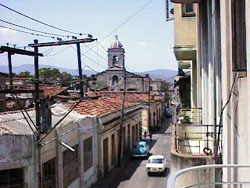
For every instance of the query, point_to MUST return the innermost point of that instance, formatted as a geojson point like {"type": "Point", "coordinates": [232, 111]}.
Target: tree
{"type": "Point", "coordinates": [25, 74]}
{"type": "Point", "coordinates": [66, 78]}
{"type": "Point", "coordinates": [49, 73]}
{"type": "Point", "coordinates": [164, 88]}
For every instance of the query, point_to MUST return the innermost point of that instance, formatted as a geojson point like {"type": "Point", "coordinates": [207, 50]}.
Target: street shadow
{"type": "Point", "coordinates": [160, 175]}
{"type": "Point", "coordinates": [165, 125]}
{"type": "Point", "coordinates": [119, 174]}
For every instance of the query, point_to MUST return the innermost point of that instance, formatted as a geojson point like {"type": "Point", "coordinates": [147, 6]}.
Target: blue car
{"type": "Point", "coordinates": [140, 149]}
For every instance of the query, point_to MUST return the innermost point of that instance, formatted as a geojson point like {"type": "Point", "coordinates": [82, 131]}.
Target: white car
{"type": "Point", "coordinates": [156, 164]}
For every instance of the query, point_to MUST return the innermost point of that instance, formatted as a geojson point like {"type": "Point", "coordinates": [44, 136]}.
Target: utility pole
{"type": "Point", "coordinates": [36, 96]}
{"type": "Point", "coordinates": [122, 119]}
{"type": "Point", "coordinates": [10, 71]}
{"type": "Point", "coordinates": [80, 67]}
{"type": "Point", "coordinates": [69, 42]}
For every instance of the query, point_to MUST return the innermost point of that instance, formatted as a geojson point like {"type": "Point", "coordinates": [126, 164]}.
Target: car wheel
{"type": "Point", "coordinates": [164, 173]}
{"type": "Point", "coordinates": [148, 174]}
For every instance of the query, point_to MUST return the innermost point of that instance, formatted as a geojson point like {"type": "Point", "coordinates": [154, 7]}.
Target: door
{"type": "Point", "coordinates": [105, 155]}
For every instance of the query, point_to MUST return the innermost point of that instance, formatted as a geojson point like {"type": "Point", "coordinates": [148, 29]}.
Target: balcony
{"type": "Point", "coordinates": [192, 138]}
{"type": "Point", "coordinates": [184, 53]}
{"type": "Point", "coordinates": [211, 176]}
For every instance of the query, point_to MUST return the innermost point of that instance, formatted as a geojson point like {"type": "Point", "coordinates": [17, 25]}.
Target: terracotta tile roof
{"type": "Point", "coordinates": [133, 97]}
{"type": "Point", "coordinates": [53, 91]}
{"type": "Point", "coordinates": [49, 91]}
{"type": "Point", "coordinates": [101, 106]}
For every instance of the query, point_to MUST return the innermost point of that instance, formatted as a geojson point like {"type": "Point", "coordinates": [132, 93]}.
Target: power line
{"type": "Point", "coordinates": [34, 34]}
{"type": "Point", "coordinates": [59, 51]}
{"type": "Point", "coordinates": [43, 23]}
{"type": "Point", "coordinates": [96, 53]}
{"type": "Point", "coordinates": [35, 30]}
{"type": "Point", "coordinates": [89, 68]}
{"type": "Point", "coordinates": [124, 22]}
{"type": "Point", "coordinates": [89, 58]}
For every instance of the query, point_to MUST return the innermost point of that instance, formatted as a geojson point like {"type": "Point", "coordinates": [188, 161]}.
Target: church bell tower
{"type": "Point", "coordinates": [116, 55]}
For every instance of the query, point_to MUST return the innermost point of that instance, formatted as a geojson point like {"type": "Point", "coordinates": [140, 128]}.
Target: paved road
{"type": "Point", "coordinates": [133, 174]}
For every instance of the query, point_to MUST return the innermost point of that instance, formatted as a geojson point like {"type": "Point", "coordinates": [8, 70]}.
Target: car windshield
{"type": "Point", "coordinates": [158, 161]}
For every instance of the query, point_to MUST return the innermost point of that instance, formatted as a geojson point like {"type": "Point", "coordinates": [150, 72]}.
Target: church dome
{"type": "Point", "coordinates": [116, 43]}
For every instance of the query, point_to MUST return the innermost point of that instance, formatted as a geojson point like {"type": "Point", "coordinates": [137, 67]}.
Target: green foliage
{"type": "Point", "coordinates": [49, 73]}
{"type": "Point", "coordinates": [25, 74]}
{"type": "Point", "coordinates": [66, 78]}
{"type": "Point", "coordinates": [165, 86]}
{"type": "Point", "coordinates": [186, 120]}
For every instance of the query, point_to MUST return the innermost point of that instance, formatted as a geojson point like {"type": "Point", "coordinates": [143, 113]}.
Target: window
{"type": "Point", "coordinates": [115, 61]}
{"type": "Point", "coordinates": [49, 174]}
{"type": "Point", "coordinates": [188, 10]}
{"type": "Point", "coordinates": [239, 35]}
{"type": "Point", "coordinates": [12, 178]}
{"type": "Point", "coordinates": [114, 80]}
{"type": "Point", "coordinates": [70, 166]}
{"type": "Point", "coordinates": [88, 153]}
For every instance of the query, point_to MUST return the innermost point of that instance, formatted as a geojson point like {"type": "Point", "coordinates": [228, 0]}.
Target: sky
{"type": "Point", "coordinates": [147, 38]}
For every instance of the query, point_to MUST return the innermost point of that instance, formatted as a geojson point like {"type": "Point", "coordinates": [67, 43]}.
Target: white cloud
{"type": "Point", "coordinates": [7, 31]}
{"type": "Point", "coordinates": [142, 43]}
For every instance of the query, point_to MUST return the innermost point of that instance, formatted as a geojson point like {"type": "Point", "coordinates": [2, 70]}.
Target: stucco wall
{"type": "Point", "coordinates": [185, 28]}
{"type": "Point", "coordinates": [179, 162]}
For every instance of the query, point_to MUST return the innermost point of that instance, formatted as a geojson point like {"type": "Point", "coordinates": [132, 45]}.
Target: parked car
{"type": "Point", "coordinates": [156, 164]}
{"type": "Point", "coordinates": [140, 149]}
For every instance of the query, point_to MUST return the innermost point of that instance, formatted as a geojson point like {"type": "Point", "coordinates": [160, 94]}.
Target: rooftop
{"type": "Point", "coordinates": [102, 106]}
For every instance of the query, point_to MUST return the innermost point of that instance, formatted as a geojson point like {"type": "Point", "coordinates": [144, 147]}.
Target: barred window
{"type": "Point", "coordinates": [70, 166]}
{"type": "Point", "coordinates": [88, 153]}
{"type": "Point", "coordinates": [49, 174]}
{"type": "Point", "coordinates": [12, 178]}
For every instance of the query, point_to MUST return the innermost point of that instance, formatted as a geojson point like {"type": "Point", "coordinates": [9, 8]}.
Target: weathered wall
{"type": "Point", "coordinates": [179, 162]}
{"type": "Point", "coordinates": [131, 121]}
{"type": "Point", "coordinates": [184, 28]}
{"type": "Point", "coordinates": [18, 151]}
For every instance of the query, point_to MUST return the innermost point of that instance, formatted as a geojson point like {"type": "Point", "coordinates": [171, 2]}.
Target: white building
{"type": "Point", "coordinates": [223, 61]}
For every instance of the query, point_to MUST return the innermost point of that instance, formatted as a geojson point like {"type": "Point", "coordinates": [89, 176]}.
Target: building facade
{"type": "Point", "coordinates": [223, 59]}
{"type": "Point", "coordinates": [113, 78]}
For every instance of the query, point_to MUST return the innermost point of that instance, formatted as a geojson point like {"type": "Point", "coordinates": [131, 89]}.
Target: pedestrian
{"type": "Point", "coordinates": [145, 134]}
{"type": "Point", "coordinates": [150, 136]}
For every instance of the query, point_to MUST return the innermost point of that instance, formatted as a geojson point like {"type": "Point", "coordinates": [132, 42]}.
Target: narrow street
{"type": "Point", "coordinates": [133, 172]}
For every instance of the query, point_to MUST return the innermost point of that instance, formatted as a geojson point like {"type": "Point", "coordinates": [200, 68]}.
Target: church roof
{"type": "Point", "coordinates": [116, 43]}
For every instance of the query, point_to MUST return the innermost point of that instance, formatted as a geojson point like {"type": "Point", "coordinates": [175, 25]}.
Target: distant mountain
{"type": "Point", "coordinates": [163, 74]}
{"type": "Point", "coordinates": [30, 68]}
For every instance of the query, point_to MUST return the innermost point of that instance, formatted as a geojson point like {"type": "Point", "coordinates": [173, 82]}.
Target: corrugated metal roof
{"type": "Point", "coordinates": [15, 123]}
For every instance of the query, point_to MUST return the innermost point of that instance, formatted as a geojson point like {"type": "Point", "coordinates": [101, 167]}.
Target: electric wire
{"type": "Point", "coordinates": [34, 34]}
{"type": "Point", "coordinates": [35, 30]}
{"type": "Point", "coordinates": [125, 21]}
{"type": "Point", "coordinates": [89, 58]}
{"type": "Point", "coordinates": [58, 52]}
{"type": "Point", "coordinates": [43, 23]}
{"type": "Point", "coordinates": [105, 59]}
{"type": "Point", "coordinates": [221, 114]}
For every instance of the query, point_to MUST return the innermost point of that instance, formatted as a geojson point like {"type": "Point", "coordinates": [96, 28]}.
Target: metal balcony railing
{"type": "Point", "coordinates": [193, 139]}
{"type": "Point", "coordinates": [211, 176]}
{"type": "Point", "coordinates": [194, 115]}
